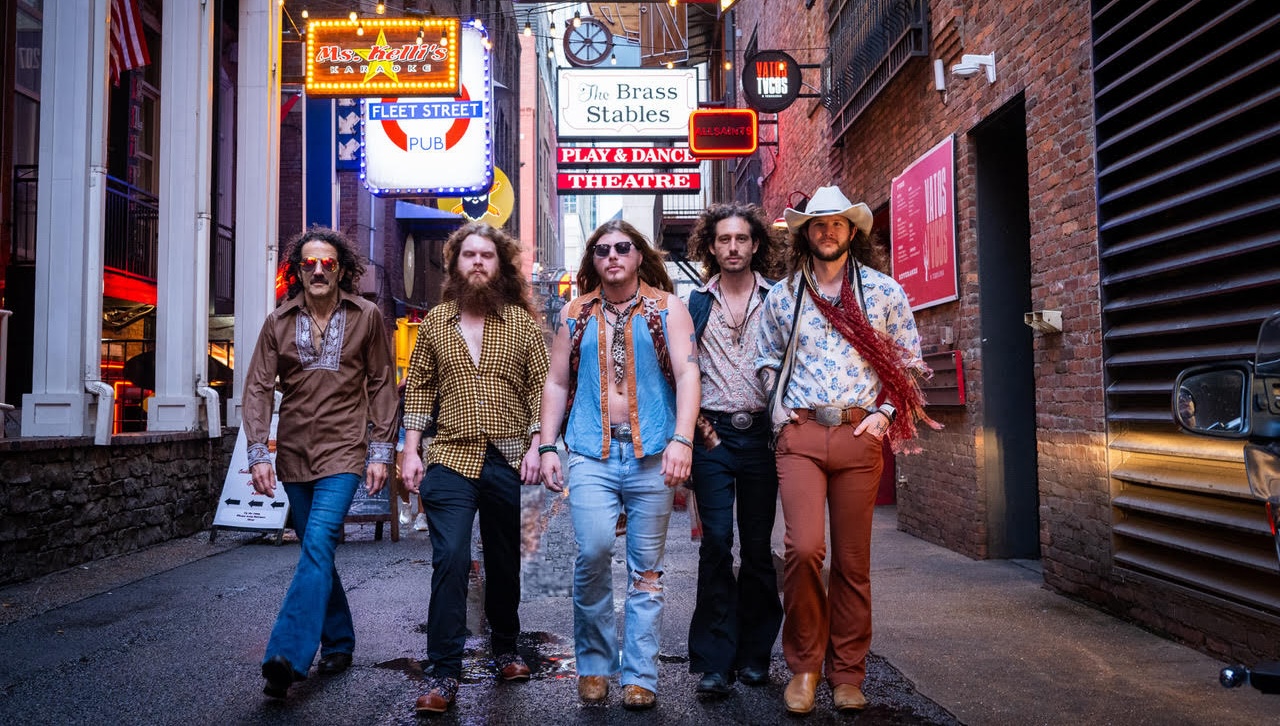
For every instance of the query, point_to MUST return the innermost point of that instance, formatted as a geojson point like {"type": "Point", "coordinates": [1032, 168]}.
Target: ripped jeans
{"type": "Point", "coordinates": [598, 491]}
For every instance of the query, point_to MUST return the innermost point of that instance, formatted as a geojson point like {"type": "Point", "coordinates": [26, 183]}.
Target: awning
{"type": "Point", "coordinates": [423, 213]}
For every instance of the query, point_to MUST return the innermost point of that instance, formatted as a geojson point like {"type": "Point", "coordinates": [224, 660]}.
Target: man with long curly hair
{"type": "Point", "coordinates": [836, 333]}
{"type": "Point", "coordinates": [328, 346]}
{"type": "Point", "coordinates": [735, 619]}
{"type": "Point", "coordinates": [481, 356]}
{"type": "Point", "coordinates": [624, 387]}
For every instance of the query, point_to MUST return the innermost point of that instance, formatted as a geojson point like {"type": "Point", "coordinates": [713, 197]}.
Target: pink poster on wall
{"type": "Point", "coordinates": [923, 243]}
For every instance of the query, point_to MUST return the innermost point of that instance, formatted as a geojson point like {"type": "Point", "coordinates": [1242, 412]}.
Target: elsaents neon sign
{"type": "Point", "coordinates": [723, 132]}
{"type": "Point", "coordinates": [406, 56]}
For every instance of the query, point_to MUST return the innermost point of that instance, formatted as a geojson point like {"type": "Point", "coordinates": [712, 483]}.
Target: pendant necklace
{"type": "Point", "coordinates": [735, 326]}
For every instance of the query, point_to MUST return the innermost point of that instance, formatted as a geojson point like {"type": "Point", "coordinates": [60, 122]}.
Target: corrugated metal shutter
{"type": "Point", "coordinates": [1188, 148]}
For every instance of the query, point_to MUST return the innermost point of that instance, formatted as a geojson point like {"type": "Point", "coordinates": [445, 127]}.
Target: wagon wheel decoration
{"type": "Point", "coordinates": [588, 44]}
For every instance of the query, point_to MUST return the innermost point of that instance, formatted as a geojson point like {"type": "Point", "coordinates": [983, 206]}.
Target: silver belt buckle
{"type": "Point", "coordinates": [827, 415]}
{"type": "Point", "coordinates": [741, 420]}
{"type": "Point", "coordinates": [621, 432]}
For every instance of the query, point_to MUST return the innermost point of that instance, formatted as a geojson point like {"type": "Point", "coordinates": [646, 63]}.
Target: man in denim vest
{"type": "Point", "coordinates": [735, 620]}
{"type": "Point", "coordinates": [624, 373]}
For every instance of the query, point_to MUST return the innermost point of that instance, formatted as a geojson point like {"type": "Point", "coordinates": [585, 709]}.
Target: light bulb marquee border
{"type": "Point", "coordinates": [334, 44]}
{"type": "Point", "coordinates": [433, 186]}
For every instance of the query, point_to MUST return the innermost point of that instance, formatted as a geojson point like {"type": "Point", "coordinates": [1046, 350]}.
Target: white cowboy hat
{"type": "Point", "coordinates": [827, 201]}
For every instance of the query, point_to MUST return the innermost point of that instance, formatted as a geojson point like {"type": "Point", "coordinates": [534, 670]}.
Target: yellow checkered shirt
{"type": "Point", "coordinates": [496, 402]}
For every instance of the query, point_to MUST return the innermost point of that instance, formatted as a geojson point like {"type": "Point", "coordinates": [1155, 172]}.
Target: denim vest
{"type": "Point", "coordinates": [652, 402]}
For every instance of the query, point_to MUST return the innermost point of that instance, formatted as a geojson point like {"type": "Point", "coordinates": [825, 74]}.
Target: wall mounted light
{"type": "Point", "coordinates": [970, 64]}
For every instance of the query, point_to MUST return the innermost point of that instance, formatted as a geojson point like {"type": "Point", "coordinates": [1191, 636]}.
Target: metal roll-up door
{"type": "Point", "coordinates": [1187, 110]}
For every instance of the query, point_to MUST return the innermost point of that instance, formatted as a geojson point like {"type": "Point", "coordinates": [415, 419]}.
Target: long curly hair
{"type": "Point", "coordinates": [510, 284]}
{"type": "Point", "coordinates": [869, 249]}
{"type": "Point", "coordinates": [653, 268]}
{"type": "Point", "coordinates": [351, 265]}
{"type": "Point", "coordinates": [702, 239]}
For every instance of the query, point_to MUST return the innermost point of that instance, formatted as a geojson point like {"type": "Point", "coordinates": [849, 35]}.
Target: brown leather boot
{"type": "Point", "coordinates": [593, 689]}
{"type": "Point", "coordinates": [440, 696]}
{"type": "Point", "coordinates": [635, 697]}
{"type": "Point", "coordinates": [800, 692]}
{"type": "Point", "coordinates": [848, 697]}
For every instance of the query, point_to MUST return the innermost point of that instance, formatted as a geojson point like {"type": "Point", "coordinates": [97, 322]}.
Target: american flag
{"type": "Point", "coordinates": [128, 44]}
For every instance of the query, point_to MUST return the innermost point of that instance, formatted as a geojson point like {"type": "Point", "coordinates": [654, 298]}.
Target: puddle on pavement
{"type": "Point", "coordinates": [548, 655]}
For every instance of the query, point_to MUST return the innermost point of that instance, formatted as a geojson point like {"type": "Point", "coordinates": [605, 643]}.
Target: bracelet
{"type": "Point", "coordinates": [547, 449]}
{"type": "Point", "coordinates": [682, 440]}
{"type": "Point", "coordinates": [888, 411]}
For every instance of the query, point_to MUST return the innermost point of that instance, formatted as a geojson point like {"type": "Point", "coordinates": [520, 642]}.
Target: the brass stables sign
{"type": "Point", "coordinates": [377, 57]}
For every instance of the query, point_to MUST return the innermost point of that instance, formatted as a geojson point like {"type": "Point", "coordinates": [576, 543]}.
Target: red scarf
{"type": "Point", "coordinates": [886, 358]}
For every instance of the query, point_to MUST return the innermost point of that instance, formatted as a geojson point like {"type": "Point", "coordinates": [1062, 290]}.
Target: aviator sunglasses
{"type": "Point", "coordinates": [328, 264]}
{"type": "Point", "coordinates": [623, 248]}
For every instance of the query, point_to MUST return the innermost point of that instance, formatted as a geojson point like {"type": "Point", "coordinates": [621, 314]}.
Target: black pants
{"type": "Point", "coordinates": [735, 622]}
{"type": "Point", "coordinates": [451, 501]}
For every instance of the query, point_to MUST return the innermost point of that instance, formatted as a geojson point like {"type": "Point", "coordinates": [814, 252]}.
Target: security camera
{"type": "Point", "coordinates": [970, 64]}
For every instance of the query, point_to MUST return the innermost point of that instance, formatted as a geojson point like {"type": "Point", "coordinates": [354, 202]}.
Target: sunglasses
{"type": "Point", "coordinates": [328, 264]}
{"type": "Point", "coordinates": [623, 248]}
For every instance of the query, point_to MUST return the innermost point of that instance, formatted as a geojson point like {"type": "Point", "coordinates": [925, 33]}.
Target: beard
{"type": "Point", "coordinates": [475, 294]}
{"type": "Point", "coordinates": [832, 256]}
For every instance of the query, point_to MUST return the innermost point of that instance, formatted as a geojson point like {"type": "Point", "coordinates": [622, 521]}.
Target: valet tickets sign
{"type": "Point", "coordinates": [625, 103]}
{"type": "Point", "coordinates": [434, 145]}
{"type": "Point", "coordinates": [922, 204]}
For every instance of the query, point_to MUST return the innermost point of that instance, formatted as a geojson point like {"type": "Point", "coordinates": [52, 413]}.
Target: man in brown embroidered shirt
{"type": "Point", "coordinates": [328, 347]}
{"type": "Point", "coordinates": [483, 358]}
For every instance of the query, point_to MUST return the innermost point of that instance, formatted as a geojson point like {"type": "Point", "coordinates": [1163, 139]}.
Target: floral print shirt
{"type": "Point", "coordinates": [828, 370]}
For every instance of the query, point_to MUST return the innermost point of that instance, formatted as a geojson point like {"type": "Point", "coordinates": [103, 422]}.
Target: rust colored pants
{"type": "Point", "coordinates": [822, 467]}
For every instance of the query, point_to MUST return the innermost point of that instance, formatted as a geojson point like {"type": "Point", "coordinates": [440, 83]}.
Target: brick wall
{"type": "Point", "coordinates": [66, 501]}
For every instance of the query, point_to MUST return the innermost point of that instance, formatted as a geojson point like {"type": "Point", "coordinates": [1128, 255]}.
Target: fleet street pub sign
{"type": "Point", "coordinates": [393, 57]}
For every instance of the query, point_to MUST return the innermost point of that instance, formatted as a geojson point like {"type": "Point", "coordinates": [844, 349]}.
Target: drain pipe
{"type": "Point", "coordinates": [106, 406]}
{"type": "Point", "coordinates": [211, 410]}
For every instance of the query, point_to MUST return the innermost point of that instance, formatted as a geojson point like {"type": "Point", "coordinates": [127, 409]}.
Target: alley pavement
{"type": "Point", "coordinates": [175, 634]}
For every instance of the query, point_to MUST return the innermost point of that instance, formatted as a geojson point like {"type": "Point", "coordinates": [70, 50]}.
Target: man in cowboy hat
{"type": "Point", "coordinates": [853, 339]}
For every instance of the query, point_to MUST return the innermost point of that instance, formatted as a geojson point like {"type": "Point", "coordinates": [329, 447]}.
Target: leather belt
{"type": "Point", "coordinates": [740, 420]}
{"type": "Point", "coordinates": [620, 432]}
{"type": "Point", "coordinates": [833, 415]}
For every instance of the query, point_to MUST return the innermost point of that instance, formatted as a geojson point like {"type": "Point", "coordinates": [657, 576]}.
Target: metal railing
{"type": "Point", "coordinates": [132, 229]}
{"type": "Point", "coordinates": [25, 186]}
{"type": "Point", "coordinates": [223, 270]}
{"type": "Point", "coordinates": [129, 367]}
{"type": "Point", "coordinates": [870, 42]}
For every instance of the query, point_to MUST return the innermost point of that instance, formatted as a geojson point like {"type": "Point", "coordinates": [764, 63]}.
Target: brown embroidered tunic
{"type": "Point", "coordinates": [331, 395]}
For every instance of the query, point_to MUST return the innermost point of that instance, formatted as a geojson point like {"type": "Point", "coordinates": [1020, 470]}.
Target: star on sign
{"type": "Point", "coordinates": [384, 67]}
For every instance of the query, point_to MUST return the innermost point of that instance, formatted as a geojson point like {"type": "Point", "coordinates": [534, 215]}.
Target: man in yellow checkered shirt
{"type": "Point", "coordinates": [482, 357]}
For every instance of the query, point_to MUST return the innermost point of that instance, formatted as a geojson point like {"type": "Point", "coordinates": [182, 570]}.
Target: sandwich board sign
{"type": "Point", "coordinates": [239, 506]}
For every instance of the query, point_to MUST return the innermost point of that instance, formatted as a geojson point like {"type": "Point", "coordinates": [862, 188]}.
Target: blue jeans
{"type": "Point", "coordinates": [450, 502]}
{"type": "Point", "coordinates": [735, 621]}
{"type": "Point", "coordinates": [598, 491]}
{"type": "Point", "coordinates": [315, 611]}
